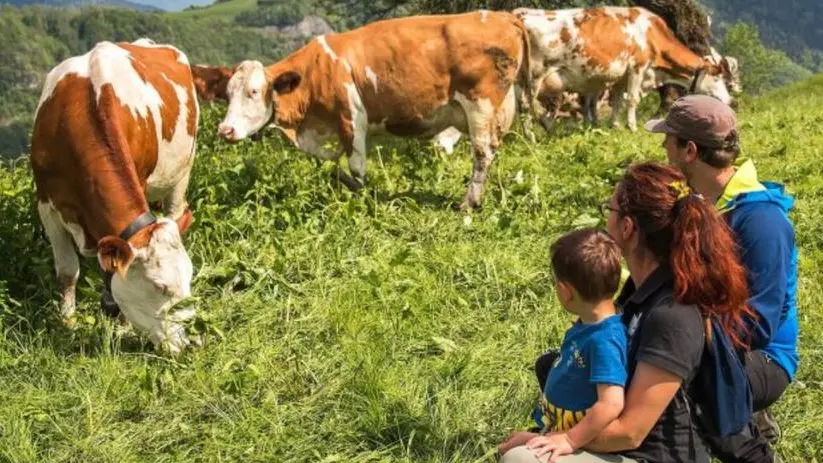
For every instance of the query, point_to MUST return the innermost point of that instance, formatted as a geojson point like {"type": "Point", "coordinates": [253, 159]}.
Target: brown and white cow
{"type": "Point", "coordinates": [413, 76]}
{"type": "Point", "coordinates": [114, 128]}
{"type": "Point", "coordinates": [210, 81]}
{"type": "Point", "coordinates": [590, 50]}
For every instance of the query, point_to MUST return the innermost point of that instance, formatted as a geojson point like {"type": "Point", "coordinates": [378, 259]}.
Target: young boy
{"type": "Point", "coordinates": [584, 390]}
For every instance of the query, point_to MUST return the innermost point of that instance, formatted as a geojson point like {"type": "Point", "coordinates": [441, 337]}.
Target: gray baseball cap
{"type": "Point", "coordinates": [702, 119]}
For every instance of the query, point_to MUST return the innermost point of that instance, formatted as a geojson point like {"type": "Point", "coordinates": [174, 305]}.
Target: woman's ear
{"type": "Point", "coordinates": [627, 231]}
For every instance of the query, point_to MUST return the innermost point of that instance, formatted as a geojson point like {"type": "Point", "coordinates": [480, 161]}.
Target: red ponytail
{"type": "Point", "coordinates": [685, 231]}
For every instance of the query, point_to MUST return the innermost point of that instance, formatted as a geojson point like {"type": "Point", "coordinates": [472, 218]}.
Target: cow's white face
{"type": "Point", "coordinates": [731, 73]}
{"type": "Point", "coordinates": [157, 278]}
{"type": "Point", "coordinates": [713, 85]}
{"type": "Point", "coordinates": [250, 103]}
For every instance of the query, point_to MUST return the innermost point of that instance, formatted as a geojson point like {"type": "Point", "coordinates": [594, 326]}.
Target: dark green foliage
{"type": "Point", "coordinates": [687, 20]}
{"type": "Point", "coordinates": [275, 14]}
{"type": "Point", "coordinates": [761, 68]}
{"type": "Point", "coordinates": [793, 26]}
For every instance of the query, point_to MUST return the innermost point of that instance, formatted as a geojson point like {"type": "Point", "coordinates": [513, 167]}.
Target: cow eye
{"type": "Point", "coordinates": [254, 92]}
{"type": "Point", "coordinates": [162, 289]}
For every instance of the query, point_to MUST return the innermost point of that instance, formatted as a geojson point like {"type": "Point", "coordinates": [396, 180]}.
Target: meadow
{"type": "Point", "coordinates": [345, 328]}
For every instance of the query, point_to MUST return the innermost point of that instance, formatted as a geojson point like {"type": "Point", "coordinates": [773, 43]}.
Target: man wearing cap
{"type": "Point", "coordinates": [702, 141]}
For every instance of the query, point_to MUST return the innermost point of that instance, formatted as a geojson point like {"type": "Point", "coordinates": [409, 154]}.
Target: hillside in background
{"type": "Point", "coordinates": [158, 5]}
{"type": "Point", "coordinates": [794, 26]}
{"type": "Point", "coordinates": [82, 3]}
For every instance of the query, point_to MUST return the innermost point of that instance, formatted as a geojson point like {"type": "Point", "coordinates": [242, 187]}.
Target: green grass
{"type": "Point", "coordinates": [385, 327]}
{"type": "Point", "coordinates": [226, 10]}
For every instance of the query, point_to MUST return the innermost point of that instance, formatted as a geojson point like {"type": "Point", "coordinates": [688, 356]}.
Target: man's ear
{"type": "Point", "coordinates": [114, 255]}
{"type": "Point", "coordinates": [286, 82]}
{"type": "Point", "coordinates": [691, 152]}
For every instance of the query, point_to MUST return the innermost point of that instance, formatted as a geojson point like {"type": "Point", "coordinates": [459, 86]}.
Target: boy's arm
{"type": "Point", "coordinates": [607, 408]}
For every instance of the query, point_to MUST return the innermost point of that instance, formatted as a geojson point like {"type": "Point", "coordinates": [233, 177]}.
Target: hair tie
{"type": "Point", "coordinates": [681, 189]}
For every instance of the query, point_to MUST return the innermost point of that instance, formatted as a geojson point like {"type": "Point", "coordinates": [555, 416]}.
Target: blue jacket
{"type": "Point", "coordinates": [758, 214]}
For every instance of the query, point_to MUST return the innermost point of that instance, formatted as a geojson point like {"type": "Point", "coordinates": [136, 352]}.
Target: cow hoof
{"type": "Point", "coordinates": [109, 306]}
{"type": "Point", "coordinates": [468, 205]}
{"type": "Point", "coordinates": [70, 321]}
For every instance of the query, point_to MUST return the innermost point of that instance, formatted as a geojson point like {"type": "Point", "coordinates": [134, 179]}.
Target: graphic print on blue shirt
{"type": "Point", "coordinates": [590, 355]}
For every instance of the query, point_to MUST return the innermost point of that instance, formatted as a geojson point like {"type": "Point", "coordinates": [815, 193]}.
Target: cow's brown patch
{"type": "Point", "coordinates": [565, 35]}
{"type": "Point", "coordinates": [672, 55]}
{"type": "Point", "coordinates": [602, 36]}
{"type": "Point", "coordinates": [211, 82]}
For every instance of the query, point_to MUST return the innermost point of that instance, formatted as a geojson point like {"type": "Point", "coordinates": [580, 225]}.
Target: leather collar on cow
{"type": "Point", "coordinates": [142, 221]}
{"type": "Point", "coordinates": [696, 79]}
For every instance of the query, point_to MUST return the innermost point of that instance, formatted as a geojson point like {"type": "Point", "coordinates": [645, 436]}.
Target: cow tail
{"type": "Point", "coordinates": [525, 72]}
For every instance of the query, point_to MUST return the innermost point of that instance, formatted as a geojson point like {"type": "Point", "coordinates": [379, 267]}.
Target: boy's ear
{"type": "Point", "coordinates": [565, 292]}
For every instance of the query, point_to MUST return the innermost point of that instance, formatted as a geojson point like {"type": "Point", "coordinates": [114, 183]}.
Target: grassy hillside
{"type": "Point", "coordinates": [223, 10]}
{"type": "Point", "coordinates": [385, 327]}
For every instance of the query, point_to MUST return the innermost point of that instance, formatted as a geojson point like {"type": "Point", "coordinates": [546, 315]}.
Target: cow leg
{"type": "Point", "coordinates": [354, 125]}
{"type": "Point", "coordinates": [311, 142]}
{"type": "Point", "coordinates": [590, 107]}
{"type": "Point", "coordinates": [633, 88]}
{"type": "Point", "coordinates": [616, 101]}
{"type": "Point", "coordinates": [480, 116]}
{"type": "Point", "coordinates": [532, 109]}
{"type": "Point", "coordinates": [175, 204]}
{"type": "Point", "coordinates": [549, 104]}
{"type": "Point", "coordinates": [66, 262]}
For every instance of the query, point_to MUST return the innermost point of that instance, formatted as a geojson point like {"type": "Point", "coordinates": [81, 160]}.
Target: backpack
{"type": "Point", "coordinates": [721, 390]}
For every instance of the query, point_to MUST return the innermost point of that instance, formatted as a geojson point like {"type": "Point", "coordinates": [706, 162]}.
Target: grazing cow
{"type": "Point", "coordinates": [210, 82]}
{"type": "Point", "coordinates": [413, 76]}
{"type": "Point", "coordinates": [114, 129]}
{"type": "Point", "coordinates": [615, 48]}
{"type": "Point", "coordinates": [670, 92]}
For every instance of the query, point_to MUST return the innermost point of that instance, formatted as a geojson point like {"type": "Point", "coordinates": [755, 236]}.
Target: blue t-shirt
{"type": "Point", "coordinates": [590, 355]}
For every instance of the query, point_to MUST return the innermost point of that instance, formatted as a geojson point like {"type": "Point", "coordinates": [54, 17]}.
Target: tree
{"type": "Point", "coordinates": [760, 68]}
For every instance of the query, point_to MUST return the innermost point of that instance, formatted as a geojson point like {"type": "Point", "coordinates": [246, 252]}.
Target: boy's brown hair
{"type": "Point", "coordinates": [589, 260]}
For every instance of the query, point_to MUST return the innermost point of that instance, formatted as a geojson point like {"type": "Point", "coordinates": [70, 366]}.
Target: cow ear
{"type": "Point", "coordinates": [729, 64]}
{"type": "Point", "coordinates": [114, 255]}
{"type": "Point", "coordinates": [714, 69]}
{"type": "Point", "coordinates": [184, 221]}
{"type": "Point", "coordinates": [286, 82]}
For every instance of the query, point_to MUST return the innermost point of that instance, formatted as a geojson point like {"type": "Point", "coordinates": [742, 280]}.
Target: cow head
{"type": "Point", "coordinates": [709, 81]}
{"type": "Point", "coordinates": [210, 82]}
{"type": "Point", "coordinates": [150, 278]}
{"type": "Point", "coordinates": [253, 96]}
{"type": "Point", "coordinates": [731, 74]}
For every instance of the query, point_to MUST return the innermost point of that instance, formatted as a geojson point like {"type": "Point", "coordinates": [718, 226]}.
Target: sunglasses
{"type": "Point", "coordinates": [605, 208]}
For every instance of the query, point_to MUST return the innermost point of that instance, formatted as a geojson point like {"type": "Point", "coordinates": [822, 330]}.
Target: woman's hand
{"type": "Point", "coordinates": [558, 444]}
{"type": "Point", "coordinates": [516, 439]}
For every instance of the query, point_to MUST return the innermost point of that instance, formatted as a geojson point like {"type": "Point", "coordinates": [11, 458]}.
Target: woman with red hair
{"type": "Point", "coordinates": [684, 271]}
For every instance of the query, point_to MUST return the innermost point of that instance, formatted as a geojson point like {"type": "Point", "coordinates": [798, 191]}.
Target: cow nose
{"type": "Point", "coordinates": [226, 131]}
